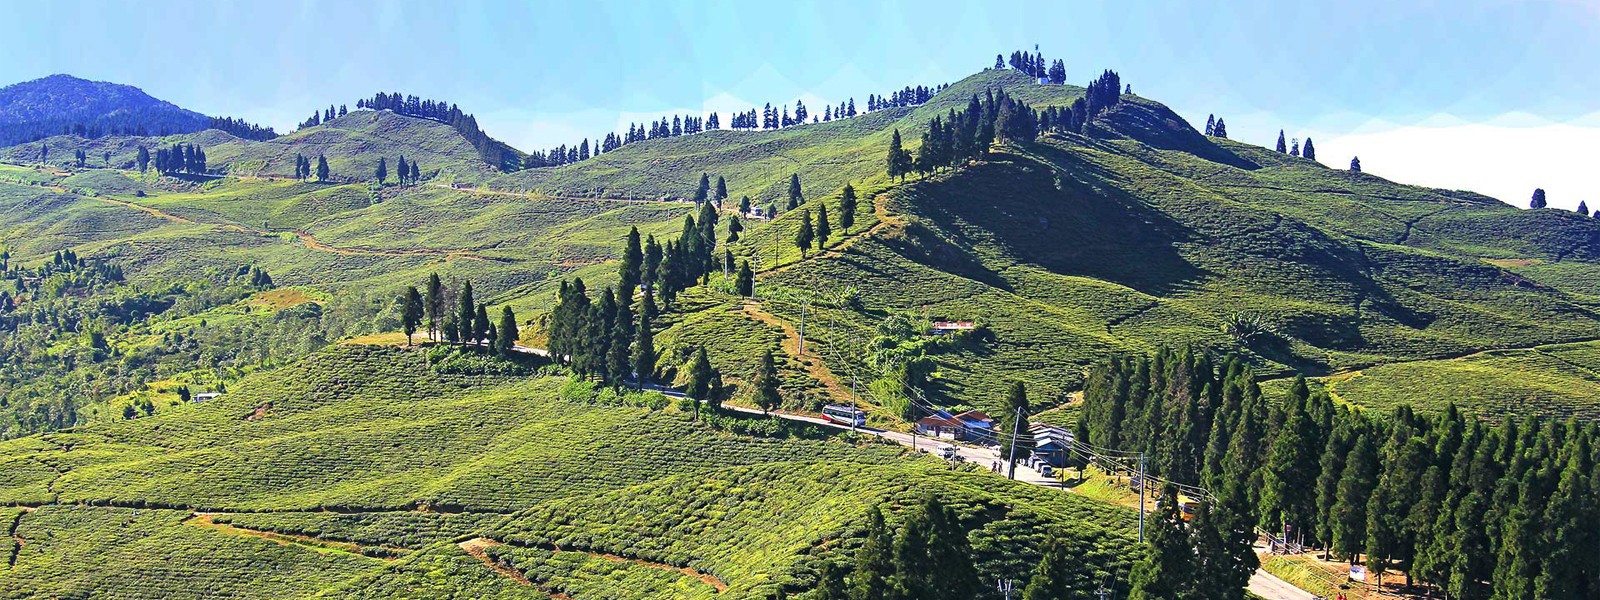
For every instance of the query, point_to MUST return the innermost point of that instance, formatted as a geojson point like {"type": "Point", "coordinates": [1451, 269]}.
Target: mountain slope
{"type": "Point", "coordinates": [352, 143]}
{"type": "Point", "coordinates": [44, 107]}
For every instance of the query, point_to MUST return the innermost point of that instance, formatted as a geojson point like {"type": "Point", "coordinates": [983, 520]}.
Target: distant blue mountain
{"type": "Point", "coordinates": [61, 104]}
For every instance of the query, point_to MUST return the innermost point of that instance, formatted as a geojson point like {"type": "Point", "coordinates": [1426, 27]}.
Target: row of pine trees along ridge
{"type": "Point", "coordinates": [1470, 508]}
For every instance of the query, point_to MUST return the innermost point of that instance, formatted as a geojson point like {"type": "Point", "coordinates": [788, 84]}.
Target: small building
{"type": "Point", "coordinates": [940, 425]}
{"type": "Point", "coordinates": [1044, 80]}
{"type": "Point", "coordinates": [757, 212]}
{"type": "Point", "coordinates": [949, 327]}
{"type": "Point", "coordinates": [976, 425]}
{"type": "Point", "coordinates": [204, 396]}
{"type": "Point", "coordinates": [1051, 445]}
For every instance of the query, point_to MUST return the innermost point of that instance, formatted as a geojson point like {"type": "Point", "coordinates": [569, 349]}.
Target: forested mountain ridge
{"type": "Point", "coordinates": [45, 107]}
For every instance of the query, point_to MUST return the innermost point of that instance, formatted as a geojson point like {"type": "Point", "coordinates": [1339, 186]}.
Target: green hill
{"type": "Point", "coordinates": [355, 473]}
{"type": "Point", "coordinates": [1137, 233]}
{"type": "Point", "coordinates": [352, 143]}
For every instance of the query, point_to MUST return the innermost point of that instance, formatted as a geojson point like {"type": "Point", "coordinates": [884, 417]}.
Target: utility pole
{"type": "Point", "coordinates": [1142, 486]}
{"type": "Point", "coordinates": [1004, 586]}
{"type": "Point", "coordinates": [1103, 593]}
{"type": "Point", "coordinates": [803, 304]}
{"type": "Point", "coordinates": [1016, 428]}
{"type": "Point", "coordinates": [855, 408]}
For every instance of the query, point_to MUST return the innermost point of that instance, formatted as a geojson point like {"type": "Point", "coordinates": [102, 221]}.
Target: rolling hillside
{"type": "Point", "coordinates": [1137, 233]}
{"type": "Point", "coordinates": [365, 472]}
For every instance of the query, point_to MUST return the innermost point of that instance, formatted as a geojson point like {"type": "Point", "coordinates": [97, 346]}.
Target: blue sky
{"type": "Point", "coordinates": [1499, 97]}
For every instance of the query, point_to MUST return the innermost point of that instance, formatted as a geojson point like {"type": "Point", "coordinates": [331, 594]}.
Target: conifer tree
{"type": "Point", "coordinates": [1283, 146]}
{"type": "Point", "coordinates": [1167, 569]}
{"type": "Point", "coordinates": [434, 306]}
{"type": "Point", "coordinates": [847, 208]}
{"type": "Point", "coordinates": [699, 384]}
{"type": "Point", "coordinates": [722, 190]}
{"type": "Point", "coordinates": [804, 237]}
{"type": "Point", "coordinates": [1049, 580]}
{"type": "Point", "coordinates": [899, 161]}
{"type": "Point", "coordinates": [1308, 151]}
{"type": "Point", "coordinates": [617, 352]}
{"type": "Point", "coordinates": [1348, 516]}
{"type": "Point", "coordinates": [1211, 125]}
{"type": "Point", "coordinates": [766, 384]}
{"type": "Point", "coordinates": [1583, 208]}
{"type": "Point", "coordinates": [465, 313]}
{"type": "Point", "coordinates": [734, 228]}
{"type": "Point", "coordinates": [874, 566]}
{"type": "Point", "coordinates": [322, 168]}
{"type": "Point", "coordinates": [382, 171]}
{"type": "Point", "coordinates": [746, 280]}
{"type": "Point", "coordinates": [823, 228]}
{"type": "Point", "coordinates": [702, 191]}
{"type": "Point", "coordinates": [410, 312]}
{"type": "Point", "coordinates": [506, 334]}
{"type": "Point", "coordinates": [1221, 129]}
{"type": "Point", "coordinates": [795, 197]}
{"type": "Point", "coordinates": [744, 205]}
{"type": "Point", "coordinates": [481, 326]}
{"type": "Point", "coordinates": [1355, 164]}
{"type": "Point", "coordinates": [644, 347]}
{"type": "Point", "coordinates": [1538, 199]}
{"type": "Point", "coordinates": [143, 159]}
{"type": "Point", "coordinates": [652, 262]}
{"type": "Point", "coordinates": [630, 272]}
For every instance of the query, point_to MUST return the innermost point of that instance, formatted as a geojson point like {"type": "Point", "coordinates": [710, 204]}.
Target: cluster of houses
{"type": "Point", "coordinates": [1051, 444]}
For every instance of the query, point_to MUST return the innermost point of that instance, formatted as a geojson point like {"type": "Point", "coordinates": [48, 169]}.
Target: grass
{"type": "Point", "coordinates": [367, 450]}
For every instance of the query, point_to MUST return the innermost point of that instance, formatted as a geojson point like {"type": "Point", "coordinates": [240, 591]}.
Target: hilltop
{"type": "Point", "coordinates": [46, 106]}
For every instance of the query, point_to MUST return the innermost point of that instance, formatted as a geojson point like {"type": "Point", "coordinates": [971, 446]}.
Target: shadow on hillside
{"type": "Point", "coordinates": [1082, 226]}
{"type": "Point", "coordinates": [1157, 126]}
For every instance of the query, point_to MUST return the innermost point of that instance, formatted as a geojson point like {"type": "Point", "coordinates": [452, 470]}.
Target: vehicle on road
{"type": "Point", "coordinates": [947, 452]}
{"type": "Point", "coordinates": [844, 415]}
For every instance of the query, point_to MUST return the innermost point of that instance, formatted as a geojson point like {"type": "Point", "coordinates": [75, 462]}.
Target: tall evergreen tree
{"type": "Point", "coordinates": [1283, 146]}
{"type": "Point", "coordinates": [1049, 579]}
{"type": "Point", "coordinates": [746, 280]}
{"type": "Point", "coordinates": [630, 273]}
{"type": "Point", "coordinates": [795, 197]}
{"type": "Point", "coordinates": [804, 237]}
{"type": "Point", "coordinates": [1355, 164]}
{"type": "Point", "coordinates": [410, 312]}
{"type": "Point", "coordinates": [383, 170]}
{"type": "Point", "coordinates": [899, 161]}
{"type": "Point", "coordinates": [506, 334]}
{"type": "Point", "coordinates": [465, 313]}
{"type": "Point", "coordinates": [644, 346]}
{"type": "Point", "coordinates": [847, 208]}
{"type": "Point", "coordinates": [1348, 516]}
{"type": "Point", "coordinates": [823, 229]}
{"type": "Point", "coordinates": [434, 306]}
{"type": "Point", "coordinates": [1308, 151]}
{"type": "Point", "coordinates": [766, 384]}
{"type": "Point", "coordinates": [874, 560]}
{"type": "Point", "coordinates": [1167, 570]}
{"type": "Point", "coordinates": [1538, 199]}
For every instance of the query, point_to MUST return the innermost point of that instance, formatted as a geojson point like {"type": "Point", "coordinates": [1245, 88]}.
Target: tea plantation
{"type": "Point", "coordinates": [358, 470]}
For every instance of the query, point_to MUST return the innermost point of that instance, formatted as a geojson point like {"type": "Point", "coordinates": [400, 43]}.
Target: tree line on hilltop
{"type": "Point", "coordinates": [967, 134]}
